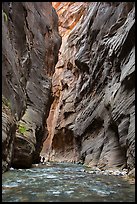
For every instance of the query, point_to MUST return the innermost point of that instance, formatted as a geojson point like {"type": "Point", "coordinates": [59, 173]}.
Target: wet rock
{"type": "Point", "coordinates": [115, 172]}
{"type": "Point", "coordinates": [8, 135]}
{"type": "Point", "coordinates": [30, 52]}
{"type": "Point", "coordinates": [131, 174]}
{"type": "Point", "coordinates": [97, 107]}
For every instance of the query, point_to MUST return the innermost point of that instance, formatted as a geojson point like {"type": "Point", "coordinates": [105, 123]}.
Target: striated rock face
{"type": "Point", "coordinates": [93, 114]}
{"type": "Point", "coordinates": [8, 134]}
{"type": "Point", "coordinates": [30, 45]}
{"type": "Point", "coordinates": [69, 15]}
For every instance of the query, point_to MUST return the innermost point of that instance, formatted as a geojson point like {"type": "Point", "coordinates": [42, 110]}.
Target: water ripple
{"type": "Point", "coordinates": [63, 183]}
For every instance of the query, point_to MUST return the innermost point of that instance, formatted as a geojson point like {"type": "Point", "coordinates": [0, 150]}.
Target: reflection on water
{"type": "Point", "coordinates": [64, 183]}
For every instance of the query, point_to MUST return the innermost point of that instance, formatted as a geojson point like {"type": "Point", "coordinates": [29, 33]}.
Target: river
{"type": "Point", "coordinates": [64, 182]}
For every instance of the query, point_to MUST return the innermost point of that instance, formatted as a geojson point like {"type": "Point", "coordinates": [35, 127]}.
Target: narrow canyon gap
{"type": "Point", "coordinates": [85, 87]}
{"type": "Point", "coordinates": [92, 117]}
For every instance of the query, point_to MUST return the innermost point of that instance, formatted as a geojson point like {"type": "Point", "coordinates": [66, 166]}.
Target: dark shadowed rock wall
{"type": "Point", "coordinates": [30, 45]}
{"type": "Point", "coordinates": [94, 106]}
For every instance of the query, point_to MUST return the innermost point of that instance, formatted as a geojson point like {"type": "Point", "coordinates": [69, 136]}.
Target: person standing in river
{"type": "Point", "coordinates": [42, 160]}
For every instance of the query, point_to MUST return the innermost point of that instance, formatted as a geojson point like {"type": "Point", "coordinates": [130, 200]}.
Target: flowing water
{"type": "Point", "coordinates": [64, 182]}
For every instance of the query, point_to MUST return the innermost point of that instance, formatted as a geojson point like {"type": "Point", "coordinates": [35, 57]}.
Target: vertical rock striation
{"type": "Point", "coordinates": [94, 106]}
{"type": "Point", "coordinates": [30, 45]}
{"type": "Point", "coordinates": [69, 15]}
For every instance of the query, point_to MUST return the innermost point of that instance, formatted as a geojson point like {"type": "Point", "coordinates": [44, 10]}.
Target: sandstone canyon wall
{"type": "Point", "coordinates": [30, 45]}
{"type": "Point", "coordinates": [92, 118]}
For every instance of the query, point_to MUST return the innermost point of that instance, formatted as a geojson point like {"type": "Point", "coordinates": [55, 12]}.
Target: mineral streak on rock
{"type": "Point", "coordinates": [93, 85]}
{"type": "Point", "coordinates": [30, 45]}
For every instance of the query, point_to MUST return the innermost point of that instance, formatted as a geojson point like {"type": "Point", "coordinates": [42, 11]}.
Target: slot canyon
{"type": "Point", "coordinates": [68, 84]}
